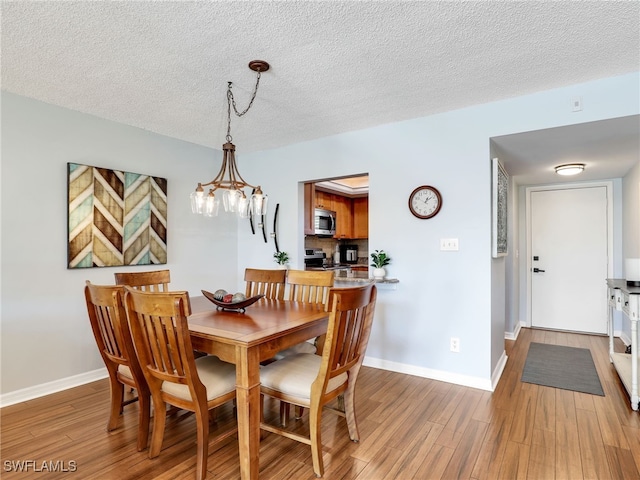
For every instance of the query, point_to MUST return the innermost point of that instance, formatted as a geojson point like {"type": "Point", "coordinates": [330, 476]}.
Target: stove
{"type": "Point", "coordinates": [314, 258]}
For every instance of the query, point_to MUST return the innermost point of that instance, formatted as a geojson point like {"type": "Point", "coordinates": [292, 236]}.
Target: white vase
{"type": "Point", "coordinates": [379, 273]}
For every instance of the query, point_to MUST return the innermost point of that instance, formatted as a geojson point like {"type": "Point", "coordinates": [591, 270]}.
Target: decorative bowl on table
{"type": "Point", "coordinates": [238, 305]}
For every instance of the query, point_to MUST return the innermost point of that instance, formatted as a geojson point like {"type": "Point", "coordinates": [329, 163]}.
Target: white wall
{"type": "Point", "coordinates": [631, 213]}
{"type": "Point", "coordinates": [440, 295]}
{"type": "Point", "coordinates": [45, 331]}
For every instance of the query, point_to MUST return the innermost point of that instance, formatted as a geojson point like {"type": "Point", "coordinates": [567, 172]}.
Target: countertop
{"type": "Point", "coordinates": [353, 278]}
{"type": "Point", "coordinates": [622, 285]}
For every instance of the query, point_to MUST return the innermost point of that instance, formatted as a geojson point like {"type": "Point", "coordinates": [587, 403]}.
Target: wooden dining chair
{"type": "Point", "coordinates": [158, 323]}
{"type": "Point", "coordinates": [305, 286]}
{"type": "Point", "coordinates": [310, 286]}
{"type": "Point", "coordinates": [151, 281]}
{"type": "Point", "coordinates": [111, 331]}
{"type": "Point", "coordinates": [312, 381]}
{"type": "Point", "coordinates": [270, 283]}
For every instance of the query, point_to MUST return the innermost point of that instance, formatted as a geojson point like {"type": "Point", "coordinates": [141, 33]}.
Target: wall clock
{"type": "Point", "coordinates": [425, 202]}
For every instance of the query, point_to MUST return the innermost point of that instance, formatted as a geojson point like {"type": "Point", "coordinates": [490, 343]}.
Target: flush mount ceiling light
{"type": "Point", "coordinates": [570, 169]}
{"type": "Point", "coordinates": [229, 179]}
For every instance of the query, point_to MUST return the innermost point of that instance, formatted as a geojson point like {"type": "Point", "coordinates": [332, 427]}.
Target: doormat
{"type": "Point", "coordinates": [563, 367]}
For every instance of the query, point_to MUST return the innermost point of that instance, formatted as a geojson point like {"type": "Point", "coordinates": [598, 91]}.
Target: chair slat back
{"type": "Point", "coordinates": [153, 281]}
{"type": "Point", "coordinates": [158, 322]}
{"type": "Point", "coordinates": [310, 286]}
{"type": "Point", "coordinates": [270, 283]}
{"type": "Point", "coordinates": [349, 328]}
{"type": "Point", "coordinates": [109, 324]}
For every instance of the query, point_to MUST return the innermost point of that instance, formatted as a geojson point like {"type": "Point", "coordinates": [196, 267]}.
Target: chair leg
{"type": "Point", "coordinates": [117, 397]}
{"type": "Point", "coordinates": [350, 414]}
{"type": "Point", "coordinates": [144, 415]}
{"type": "Point", "coordinates": [298, 411]}
{"type": "Point", "coordinates": [202, 426]}
{"type": "Point", "coordinates": [285, 409]}
{"type": "Point", "coordinates": [261, 415]}
{"type": "Point", "coordinates": [315, 418]}
{"type": "Point", "coordinates": [159, 418]}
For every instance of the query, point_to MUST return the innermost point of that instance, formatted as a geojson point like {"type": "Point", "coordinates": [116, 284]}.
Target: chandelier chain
{"type": "Point", "coordinates": [232, 101]}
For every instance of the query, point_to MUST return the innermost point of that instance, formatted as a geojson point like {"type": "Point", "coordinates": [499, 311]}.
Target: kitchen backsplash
{"type": "Point", "coordinates": [328, 246]}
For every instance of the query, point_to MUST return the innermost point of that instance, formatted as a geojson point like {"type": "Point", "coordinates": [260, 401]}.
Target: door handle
{"type": "Point", "coordinates": [537, 270]}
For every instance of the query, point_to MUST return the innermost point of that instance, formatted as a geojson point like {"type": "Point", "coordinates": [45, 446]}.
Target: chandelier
{"type": "Point", "coordinates": [234, 199]}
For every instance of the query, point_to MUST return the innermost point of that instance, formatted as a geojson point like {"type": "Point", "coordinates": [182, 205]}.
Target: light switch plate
{"type": "Point", "coordinates": [449, 244]}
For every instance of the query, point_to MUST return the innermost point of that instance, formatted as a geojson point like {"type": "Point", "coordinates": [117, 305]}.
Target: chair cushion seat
{"type": "Point", "coordinates": [125, 371]}
{"type": "Point", "coordinates": [217, 376]}
{"type": "Point", "coordinates": [304, 347]}
{"type": "Point", "coordinates": [294, 374]}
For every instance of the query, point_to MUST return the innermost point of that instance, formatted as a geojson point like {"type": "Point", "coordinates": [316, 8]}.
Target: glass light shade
{"type": "Point", "coordinates": [570, 169]}
{"type": "Point", "coordinates": [243, 207]}
{"type": "Point", "coordinates": [197, 202]}
{"type": "Point", "coordinates": [230, 200]}
{"type": "Point", "coordinates": [259, 204]}
{"type": "Point", "coordinates": [211, 206]}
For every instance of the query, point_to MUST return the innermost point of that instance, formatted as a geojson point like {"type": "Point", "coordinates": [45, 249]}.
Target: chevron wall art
{"type": "Point", "coordinates": [115, 218]}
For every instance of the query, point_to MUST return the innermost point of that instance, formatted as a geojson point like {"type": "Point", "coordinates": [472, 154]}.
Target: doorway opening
{"type": "Point", "coordinates": [342, 205]}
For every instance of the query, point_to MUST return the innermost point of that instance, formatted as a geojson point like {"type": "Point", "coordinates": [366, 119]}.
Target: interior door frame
{"type": "Point", "coordinates": [608, 184]}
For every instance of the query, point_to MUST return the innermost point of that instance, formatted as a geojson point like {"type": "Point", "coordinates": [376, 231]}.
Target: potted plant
{"type": "Point", "coordinates": [281, 258]}
{"type": "Point", "coordinates": [380, 259]}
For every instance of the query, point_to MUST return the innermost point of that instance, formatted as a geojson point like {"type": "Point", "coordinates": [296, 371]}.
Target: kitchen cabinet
{"type": "Point", "coordinates": [352, 214]}
{"type": "Point", "coordinates": [324, 200]}
{"type": "Point", "coordinates": [361, 217]}
{"type": "Point", "coordinates": [360, 268]}
{"type": "Point", "coordinates": [625, 298]}
{"type": "Point", "coordinates": [344, 223]}
{"type": "Point", "coordinates": [309, 206]}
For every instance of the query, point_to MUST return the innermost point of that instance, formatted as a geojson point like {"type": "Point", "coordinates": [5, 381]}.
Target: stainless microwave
{"type": "Point", "coordinates": [325, 222]}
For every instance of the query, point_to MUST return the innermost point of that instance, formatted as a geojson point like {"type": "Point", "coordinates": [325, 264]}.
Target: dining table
{"type": "Point", "coordinates": [246, 338]}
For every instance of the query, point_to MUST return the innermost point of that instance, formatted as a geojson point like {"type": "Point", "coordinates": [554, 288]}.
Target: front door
{"type": "Point", "coordinates": [569, 259]}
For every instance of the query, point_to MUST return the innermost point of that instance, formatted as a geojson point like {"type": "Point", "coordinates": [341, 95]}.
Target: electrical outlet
{"type": "Point", "coordinates": [450, 244]}
{"type": "Point", "coordinates": [455, 344]}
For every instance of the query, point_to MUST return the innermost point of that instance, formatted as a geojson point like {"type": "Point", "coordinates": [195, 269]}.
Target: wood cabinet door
{"type": "Point", "coordinates": [324, 200]}
{"type": "Point", "coordinates": [361, 217]}
{"type": "Point", "coordinates": [309, 205]}
{"type": "Point", "coordinates": [344, 216]}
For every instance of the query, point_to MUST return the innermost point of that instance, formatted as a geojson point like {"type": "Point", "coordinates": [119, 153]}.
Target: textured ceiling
{"type": "Point", "coordinates": [335, 66]}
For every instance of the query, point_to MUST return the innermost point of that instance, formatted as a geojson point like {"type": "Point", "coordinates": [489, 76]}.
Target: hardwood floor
{"type": "Point", "coordinates": [411, 428]}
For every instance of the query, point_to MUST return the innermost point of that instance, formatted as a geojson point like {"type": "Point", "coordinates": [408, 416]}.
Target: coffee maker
{"type": "Point", "coordinates": [349, 254]}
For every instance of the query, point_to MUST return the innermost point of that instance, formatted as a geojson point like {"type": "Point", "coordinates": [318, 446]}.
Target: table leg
{"type": "Point", "coordinates": [248, 403]}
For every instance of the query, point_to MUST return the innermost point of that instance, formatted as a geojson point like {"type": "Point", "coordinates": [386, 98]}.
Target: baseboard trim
{"type": "Point", "coordinates": [455, 378]}
{"type": "Point", "coordinates": [48, 388]}
{"type": "Point", "coordinates": [497, 373]}
{"type": "Point", "coordinates": [514, 335]}
{"type": "Point", "coordinates": [623, 336]}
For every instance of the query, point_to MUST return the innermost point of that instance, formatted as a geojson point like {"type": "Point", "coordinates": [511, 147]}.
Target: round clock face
{"type": "Point", "coordinates": [425, 202]}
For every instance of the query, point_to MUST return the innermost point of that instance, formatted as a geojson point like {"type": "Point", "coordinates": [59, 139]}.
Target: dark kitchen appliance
{"type": "Point", "coordinates": [314, 258]}
{"type": "Point", "coordinates": [348, 254]}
